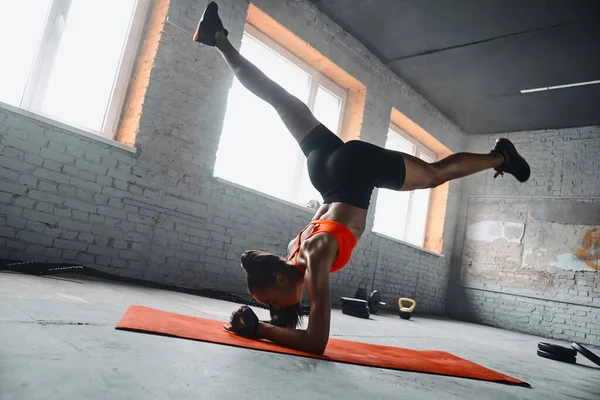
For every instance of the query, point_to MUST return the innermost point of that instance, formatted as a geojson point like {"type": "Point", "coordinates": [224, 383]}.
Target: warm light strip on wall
{"type": "Point", "coordinates": [560, 86]}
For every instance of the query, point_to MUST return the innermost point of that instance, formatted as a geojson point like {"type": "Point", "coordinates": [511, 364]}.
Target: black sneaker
{"type": "Point", "coordinates": [209, 25]}
{"type": "Point", "coordinates": [513, 163]}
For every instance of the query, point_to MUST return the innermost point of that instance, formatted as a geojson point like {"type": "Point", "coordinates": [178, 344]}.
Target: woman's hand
{"type": "Point", "coordinates": [244, 322]}
{"type": "Point", "coordinates": [229, 328]}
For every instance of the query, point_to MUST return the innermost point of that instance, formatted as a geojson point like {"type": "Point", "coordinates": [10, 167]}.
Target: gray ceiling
{"type": "Point", "coordinates": [470, 58]}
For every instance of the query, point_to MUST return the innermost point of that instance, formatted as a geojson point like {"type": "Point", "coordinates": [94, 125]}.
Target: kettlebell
{"type": "Point", "coordinates": [406, 312]}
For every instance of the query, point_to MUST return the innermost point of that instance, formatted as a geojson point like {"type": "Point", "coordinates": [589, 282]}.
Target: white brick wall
{"type": "Point", "coordinates": [565, 164]}
{"type": "Point", "coordinates": [160, 215]}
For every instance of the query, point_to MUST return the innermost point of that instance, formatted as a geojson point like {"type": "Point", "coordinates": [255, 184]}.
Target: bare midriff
{"type": "Point", "coordinates": [353, 218]}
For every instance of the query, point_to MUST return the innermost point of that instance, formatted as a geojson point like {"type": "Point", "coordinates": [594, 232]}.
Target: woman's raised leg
{"type": "Point", "coordinates": [503, 158]}
{"type": "Point", "coordinates": [422, 175]}
{"type": "Point", "coordinates": [294, 113]}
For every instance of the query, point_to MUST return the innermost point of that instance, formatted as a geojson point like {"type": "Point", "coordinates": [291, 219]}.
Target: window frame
{"type": "Point", "coordinates": [47, 48]}
{"type": "Point", "coordinates": [317, 79]}
{"type": "Point", "coordinates": [420, 148]}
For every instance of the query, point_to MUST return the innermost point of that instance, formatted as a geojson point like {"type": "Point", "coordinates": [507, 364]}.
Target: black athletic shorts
{"type": "Point", "coordinates": [348, 172]}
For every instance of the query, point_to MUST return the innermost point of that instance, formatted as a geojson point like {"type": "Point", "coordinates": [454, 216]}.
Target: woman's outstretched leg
{"type": "Point", "coordinates": [296, 116]}
{"type": "Point", "coordinates": [503, 158]}
{"type": "Point", "coordinates": [421, 175]}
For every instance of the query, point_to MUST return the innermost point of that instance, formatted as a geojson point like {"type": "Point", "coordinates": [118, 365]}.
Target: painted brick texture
{"type": "Point", "coordinates": [566, 304]}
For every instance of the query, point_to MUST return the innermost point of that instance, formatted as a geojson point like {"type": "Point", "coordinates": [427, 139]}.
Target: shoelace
{"type": "Point", "coordinates": [498, 172]}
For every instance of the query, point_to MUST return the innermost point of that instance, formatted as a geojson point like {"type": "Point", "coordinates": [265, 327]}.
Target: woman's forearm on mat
{"type": "Point", "coordinates": [297, 339]}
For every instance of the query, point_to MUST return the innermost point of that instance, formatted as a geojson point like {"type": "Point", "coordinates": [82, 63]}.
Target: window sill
{"type": "Point", "coordinates": [407, 244]}
{"type": "Point", "coordinates": [262, 194]}
{"type": "Point", "coordinates": [71, 129]}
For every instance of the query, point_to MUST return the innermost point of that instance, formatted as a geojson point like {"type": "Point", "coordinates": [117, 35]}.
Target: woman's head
{"type": "Point", "coordinates": [274, 282]}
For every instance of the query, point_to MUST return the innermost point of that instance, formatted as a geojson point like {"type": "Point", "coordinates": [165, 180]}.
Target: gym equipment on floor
{"type": "Point", "coordinates": [586, 353]}
{"type": "Point", "coordinates": [555, 357]}
{"type": "Point", "coordinates": [355, 307]}
{"type": "Point", "coordinates": [406, 312]}
{"type": "Point", "coordinates": [560, 351]}
{"type": "Point", "coordinates": [374, 299]}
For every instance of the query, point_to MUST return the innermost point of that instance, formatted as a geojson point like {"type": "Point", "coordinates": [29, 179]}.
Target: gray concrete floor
{"type": "Point", "coordinates": [57, 341]}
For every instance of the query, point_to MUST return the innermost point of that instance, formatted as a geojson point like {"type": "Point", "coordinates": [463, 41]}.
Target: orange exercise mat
{"type": "Point", "coordinates": [149, 320]}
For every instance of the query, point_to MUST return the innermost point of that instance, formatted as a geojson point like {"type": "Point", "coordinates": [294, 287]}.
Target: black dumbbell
{"type": "Point", "coordinates": [373, 300]}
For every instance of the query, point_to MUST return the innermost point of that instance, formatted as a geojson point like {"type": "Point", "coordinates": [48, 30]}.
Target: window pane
{"type": "Point", "coordinates": [20, 30]}
{"type": "Point", "coordinates": [256, 149]}
{"type": "Point", "coordinates": [327, 109]}
{"type": "Point", "coordinates": [81, 78]}
{"type": "Point", "coordinates": [398, 143]}
{"type": "Point", "coordinates": [391, 213]}
{"type": "Point", "coordinates": [392, 207]}
{"type": "Point", "coordinates": [418, 217]}
{"type": "Point", "coordinates": [419, 212]}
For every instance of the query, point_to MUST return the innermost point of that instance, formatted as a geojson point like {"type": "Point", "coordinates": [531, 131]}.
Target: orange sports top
{"type": "Point", "coordinates": [345, 238]}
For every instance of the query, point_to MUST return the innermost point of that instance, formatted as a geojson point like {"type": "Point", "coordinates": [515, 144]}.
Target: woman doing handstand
{"type": "Point", "coordinates": [345, 174]}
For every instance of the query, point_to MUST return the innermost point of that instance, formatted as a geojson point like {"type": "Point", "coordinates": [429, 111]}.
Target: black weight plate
{"type": "Point", "coordinates": [357, 315]}
{"type": "Point", "coordinates": [350, 300]}
{"type": "Point", "coordinates": [356, 309]}
{"type": "Point", "coordinates": [586, 353]}
{"type": "Point", "coordinates": [550, 356]}
{"type": "Point", "coordinates": [361, 294]}
{"type": "Point", "coordinates": [375, 297]}
{"type": "Point", "coordinates": [374, 300]}
{"type": "Point", "coordinates": [364, 314]}
{"type": "Point", "coordinates": [355, 302]}
{"type": "Point", "coordinates": [560, 351]}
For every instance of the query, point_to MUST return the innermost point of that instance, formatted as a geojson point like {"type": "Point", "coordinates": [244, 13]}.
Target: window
{"type": "Point", "coordinates": [403, 215]}
{"type": "Point", "coordinates": [256, 150]}
{"type": "Point", "coordinates": [70, 60]}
